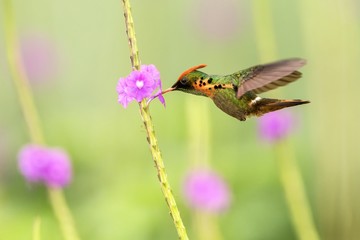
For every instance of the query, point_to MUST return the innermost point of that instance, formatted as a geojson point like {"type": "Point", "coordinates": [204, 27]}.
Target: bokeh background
{"type": "Point", "coordinates": [75, 51]}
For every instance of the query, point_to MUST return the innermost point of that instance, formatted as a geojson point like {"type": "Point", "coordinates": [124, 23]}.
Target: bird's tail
{"type": "Point", "coordinates": [266, 105]}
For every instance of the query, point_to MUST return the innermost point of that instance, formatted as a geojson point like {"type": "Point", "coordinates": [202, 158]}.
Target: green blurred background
{"type": "Point", "coordinates": [115, 192]}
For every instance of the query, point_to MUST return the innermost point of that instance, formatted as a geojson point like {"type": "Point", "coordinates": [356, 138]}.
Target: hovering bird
{"type": "Point", "coordinates": [236, 94]}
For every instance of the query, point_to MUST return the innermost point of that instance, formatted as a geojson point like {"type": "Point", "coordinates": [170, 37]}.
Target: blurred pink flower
{"type": "Point", "coordinates": [217, 20]}
{"type": "Point", "coordinates": [276, 126]}
{"type": "Point", "coordinates": [48, 165]}
{"type": "Point", "coordinates": [40, 57]}
{"type": "Point", "coordinates": [207, 191]}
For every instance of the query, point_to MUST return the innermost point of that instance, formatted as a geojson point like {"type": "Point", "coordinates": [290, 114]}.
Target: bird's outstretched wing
{"type": "Point", "coordinates": [262, 78]}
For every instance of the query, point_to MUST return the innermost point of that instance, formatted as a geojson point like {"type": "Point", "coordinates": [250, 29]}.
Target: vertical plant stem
{"type": "Point", "coordinates": [159, 164]}
{"type": "Point", "coordinates": [130, 31]}
{"type": "Point", "coordinates": [29, 110]}
{"type": "Point", "coordinates": [18, 75]}
{"type": "Point", "coordinates": [206, 226]}
{"type": "Point", "coordinates": [337, 157]}
{"type": "Point", "coordinates": [198, 124]}
{"type": "Point", "coordinates": [151, 138]}
{"type": "Point", "coordinates": [62, 213]}
{"type": "Point", "coordinates": [295, 193]}
{"type": "Point", "coordinates": [290, 176]}
{"type": "Point", "coordinates": [36, 229]}
{"type": "Point", "coordinates": [265, 36]}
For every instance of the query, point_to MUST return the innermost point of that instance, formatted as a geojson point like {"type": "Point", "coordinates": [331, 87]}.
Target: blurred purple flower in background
{"type": "Point", "coordinates": [139, 85]}
{"type": "Point", "coordinates": [207, 191]}
{"type": "Point", "coordinates": [48, 165]}
{"type": "Point", "coordinates": [40, 56]}
{"type": "Point", "coordinates": [275, 126]}
{"type": "Point", "coordinates": [217, 20]}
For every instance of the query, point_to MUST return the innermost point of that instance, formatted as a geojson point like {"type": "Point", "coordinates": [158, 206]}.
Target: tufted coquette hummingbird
{"type": "Point", "coordinates": [235, 94]}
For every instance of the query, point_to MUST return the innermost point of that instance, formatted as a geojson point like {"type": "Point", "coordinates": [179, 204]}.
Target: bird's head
{"type": "Point", "coordinates": [188, 80]}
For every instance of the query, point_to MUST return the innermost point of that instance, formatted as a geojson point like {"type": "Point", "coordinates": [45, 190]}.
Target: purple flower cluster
{"type": "Point", "coordinates": [207, 191]}
{"type": "Point", "coordinates": [42, 164]}
{"type": "Point", "coordinates": [139, 85]}
{"type": "Point", "coordinates": [275, 126]}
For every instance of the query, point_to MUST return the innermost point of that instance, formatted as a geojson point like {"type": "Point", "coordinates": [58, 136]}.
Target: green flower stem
{"type": "Point", "coordinates": [265, 36]}
{"type": "Point", "coordinates": [289, 172]}
{"type": "Point", "coordinates": [18, 75]}
{"type": "Point", "coordinates": [295, 193]}
{"type": "Point", "coordinates": [26, 99]}
{"type": "Point", "coordinates": [206, 226]}
{"type": "Point", "coordinates": [146, 117]}
{"type": "Point", "coordinates": [36, 229]}
{"type": "Point", "coordinates": [130, 31]}
{"type": "Point", "coordinates": [198, 124]}
{"type": "Point", "coordinates": [63, 213]}
{"type": "Point", "coordinates": [159, 164]}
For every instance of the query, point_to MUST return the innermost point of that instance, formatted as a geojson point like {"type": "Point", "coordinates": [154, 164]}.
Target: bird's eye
{"type": "Point", "coordinates": [183, 81]}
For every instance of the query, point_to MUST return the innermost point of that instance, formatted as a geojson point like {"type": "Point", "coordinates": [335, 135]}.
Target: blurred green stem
{"type": "Point", "coordinates": [36, 229]}
{"type": "Point", "coordinates": [335, 156]}
{"type": "Point", "coordinates": [146, 117]}
{"type": "Point", "coordinates": [62, 213]}
{"type": "Point", "coordinates": [26, 99]}
{"type": "Point", "coordinates": [19, 76]}
{"type": "Point", "coordinates": [289, 172]}
{"type": "Point", "coordinates": [265, 36]}
{"type": "Point", "coordinates": [295, 193]}
{"type": "Point", "coordinates": [198, 125]}
{"type": "Point", "coordinates": [206, 226]}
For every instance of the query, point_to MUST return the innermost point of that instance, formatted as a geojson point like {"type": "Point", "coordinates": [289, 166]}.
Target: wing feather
{"type": "Point", "coordinates": [262, 78]}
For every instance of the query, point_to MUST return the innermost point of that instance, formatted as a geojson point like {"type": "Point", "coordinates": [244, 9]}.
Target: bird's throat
{"type": "Point", "coordinates": [208, 87]}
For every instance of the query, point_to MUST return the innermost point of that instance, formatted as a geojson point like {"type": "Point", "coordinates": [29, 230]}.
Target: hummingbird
{"type": "Point", "coordinates": [236, 94]}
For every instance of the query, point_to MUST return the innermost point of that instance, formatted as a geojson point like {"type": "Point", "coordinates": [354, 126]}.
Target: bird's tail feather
{"type": "Point", "coordinates": [266, 105]}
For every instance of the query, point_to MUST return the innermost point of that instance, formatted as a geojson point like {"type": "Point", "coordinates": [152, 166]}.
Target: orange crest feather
{"type": "Point", "coordinates": [191, 70]}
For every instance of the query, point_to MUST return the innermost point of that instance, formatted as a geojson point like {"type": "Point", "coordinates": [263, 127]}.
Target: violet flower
{"type": "Point", "coordinates": [139, 85]}
{"type": "Point", "coordinates": [50, 166]}
{"type": "Point", "coordinates": [207, 191]}
{"type": "Point", "coordinates": [40, 57]}
{"type": "Point", "coordinates": [275, 126]}
{"type": "Point", "coordinates": [229, 21]}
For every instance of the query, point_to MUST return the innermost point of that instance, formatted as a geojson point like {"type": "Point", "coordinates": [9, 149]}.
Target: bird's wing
{"type": "Point", "coordinates": [262, 78]}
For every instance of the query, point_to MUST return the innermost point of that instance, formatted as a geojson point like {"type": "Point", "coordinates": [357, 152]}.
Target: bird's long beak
{"type": "Point", "coordinates": [168, 90]}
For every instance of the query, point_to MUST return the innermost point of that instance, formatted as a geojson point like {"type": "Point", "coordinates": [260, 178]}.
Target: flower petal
{"type": "Point", "coordinates": [123, 93]}
{"type": "Point", "coordinates": [152, 70]}
{"type": "Point", "coordinates": [162, 99]}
